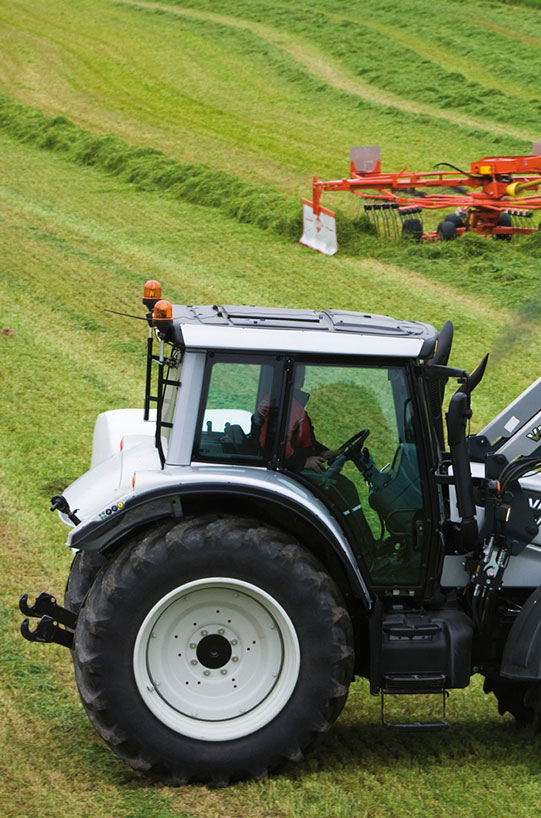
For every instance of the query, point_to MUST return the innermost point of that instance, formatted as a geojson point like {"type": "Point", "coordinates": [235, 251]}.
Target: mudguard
{"type": "Point", "coordinates": [166, 502]}
{"type": "Point", "coordinates": [522, 652]}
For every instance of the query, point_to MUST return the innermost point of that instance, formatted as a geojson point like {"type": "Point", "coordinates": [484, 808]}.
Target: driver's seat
{"type": "Point", "coordinates": [235, 440]}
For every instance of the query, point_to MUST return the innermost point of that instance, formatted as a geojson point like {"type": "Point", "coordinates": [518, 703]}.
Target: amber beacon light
{"type": "Point", "coordinates": [152, 292]}
{"type": "Point", "coordinates": [162, 314]}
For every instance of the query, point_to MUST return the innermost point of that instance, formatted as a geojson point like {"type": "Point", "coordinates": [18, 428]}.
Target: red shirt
{"type": "Point", "coordinates": [301, 441]}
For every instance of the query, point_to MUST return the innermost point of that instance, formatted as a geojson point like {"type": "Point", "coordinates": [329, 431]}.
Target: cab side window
{"type": "Point", "coordinates": [239, 411]}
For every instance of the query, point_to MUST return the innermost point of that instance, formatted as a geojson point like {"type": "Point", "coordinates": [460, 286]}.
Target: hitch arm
{"type": "Point", "coordinates": [47, 631]}
{"type": "Point", "coordinates": [52, 616]}
{"type": "Point", "coordinates": [47, 604]}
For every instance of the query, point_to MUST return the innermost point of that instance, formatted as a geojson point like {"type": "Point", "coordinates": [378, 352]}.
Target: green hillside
{"type": "Point", "coordinates": [174, 141]}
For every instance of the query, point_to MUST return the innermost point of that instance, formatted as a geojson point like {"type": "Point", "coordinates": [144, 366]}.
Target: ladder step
{"type": "Point", "coordinates": [422, 684]}
{"type": "Point", "coordinates": [402, 630]}
{"type": "Point", "coordinates": [417, 726]}
{"type": "Point", "coordinates": [410, 683]}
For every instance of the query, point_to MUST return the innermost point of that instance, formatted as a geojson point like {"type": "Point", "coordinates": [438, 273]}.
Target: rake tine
{"type": "Point", "coordinates": [383, 218]}
{"type": "Point", "coordinates": [394, 220]}
{"type": "Point", "coordinates": [375, 218]}
{"type": "Point", "coordinates": [368, 212]}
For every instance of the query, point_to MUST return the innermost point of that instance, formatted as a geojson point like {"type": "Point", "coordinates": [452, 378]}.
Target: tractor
{"type": "Point", "coordinates": [290, 509]}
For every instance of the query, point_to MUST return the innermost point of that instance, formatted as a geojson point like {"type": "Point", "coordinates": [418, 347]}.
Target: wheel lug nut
{"type": "Point", "coordinates": [234, 658]}
{"type": "Point", "coordinates": [194, 661]}
{"type": "Point", "coordinates": [234, 642]}
{"type": "Point", "coordinates": [193, 645]}
{"type": "Point", "coordinates": [221, 631]}
{"type": "Point", "coordinates": [206, 673]}
{"type": "Point", "coordinates": [223, 671]}
{"type": "Point", "coordinates": [204, 633]}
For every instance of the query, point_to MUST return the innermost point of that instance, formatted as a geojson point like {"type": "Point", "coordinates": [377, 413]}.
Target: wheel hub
{"type": "Point", "coordinates": [217, 657]}
{"type": "Point", "coordinates": [214, 651]}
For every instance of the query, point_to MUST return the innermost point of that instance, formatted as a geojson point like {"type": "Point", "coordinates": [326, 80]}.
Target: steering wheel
{"type": "Point", "coordinates": [349, 451]}
{"type": "Point", "coordinates": [352, 447]}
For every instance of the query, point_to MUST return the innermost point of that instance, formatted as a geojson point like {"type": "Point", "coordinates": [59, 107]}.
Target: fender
{"type": "Point", "coordinates": [522, 652]}
{"type": "Point", "coordinates": [165, 502]}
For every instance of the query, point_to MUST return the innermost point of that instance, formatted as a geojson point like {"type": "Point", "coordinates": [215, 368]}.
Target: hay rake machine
{"type": "Point", "coordinates": [489, 199]}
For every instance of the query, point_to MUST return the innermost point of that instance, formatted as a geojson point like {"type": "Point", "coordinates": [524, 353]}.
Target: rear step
{"type": "Point", "coordinates": [426, 684]}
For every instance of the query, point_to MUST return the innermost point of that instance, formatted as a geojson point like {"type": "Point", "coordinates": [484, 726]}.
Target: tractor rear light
{"type": "Point", "coordinates": [162, 314]}
{"type": "Point", "coordinates": [121, 444]}
{"type": "Point", "coordinates": [133, 480]}
{"type": "Point", "coordinates": [152, 292]}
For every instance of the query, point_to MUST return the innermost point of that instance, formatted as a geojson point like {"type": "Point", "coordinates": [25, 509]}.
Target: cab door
{"type": "Point", "coordinates": [376, 491]}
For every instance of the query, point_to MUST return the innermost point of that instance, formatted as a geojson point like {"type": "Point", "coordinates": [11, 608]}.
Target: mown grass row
{"type": "Point", "coordinates": [250, 99]}
{"type": "Point", "coordinates": [392, 66]}
{"type": "Point", "coordinates": [490, 38]}
{"type": "Point", "coordinates": [534, 4]}
{"type": "Point", "coordinates": [150, 169]}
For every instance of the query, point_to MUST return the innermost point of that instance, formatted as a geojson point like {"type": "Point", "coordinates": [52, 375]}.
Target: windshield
{"type": "Point", "coordinates": [350, 432]}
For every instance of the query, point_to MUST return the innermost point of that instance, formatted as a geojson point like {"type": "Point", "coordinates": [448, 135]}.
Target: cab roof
{"type": "Point", "coordinates": [269, 329]}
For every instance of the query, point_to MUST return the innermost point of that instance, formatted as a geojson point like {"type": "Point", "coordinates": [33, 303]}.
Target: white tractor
{"type": "Point", "coordinates": [287, 513]}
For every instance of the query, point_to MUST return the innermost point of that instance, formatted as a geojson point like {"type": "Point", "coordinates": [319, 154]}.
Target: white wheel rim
{"type": "Point", "coordinates": [216, 659]}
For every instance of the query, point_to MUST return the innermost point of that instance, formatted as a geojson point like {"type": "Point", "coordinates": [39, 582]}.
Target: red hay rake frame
{"type": "Point", "coordinates": [497, 185]}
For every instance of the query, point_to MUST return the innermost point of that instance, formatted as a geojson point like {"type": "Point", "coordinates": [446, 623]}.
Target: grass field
{"type": "Point", "coordinates": [208, 105]}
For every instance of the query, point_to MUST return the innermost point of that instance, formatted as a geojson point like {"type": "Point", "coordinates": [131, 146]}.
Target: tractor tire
{"type": "Point", "coordinates": [532, 700]}
{"type": "Point", "coordinates": [412, 229]}
{"type": "Point", "coordinates": [83, 571]}
{"type": "Point", "coordinates": [446, 231]}
{"type": "Point", "coordinates": [511, 697]}
{"type": "Point", "coordinates": [214, 650]}
{"type": "Point", "coordinates": [504, 220]}
{"type": "Point", "coordinates": [455, 219]}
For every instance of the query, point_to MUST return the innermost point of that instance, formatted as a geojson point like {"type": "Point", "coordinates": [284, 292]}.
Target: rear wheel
{"type": "Point", "coordinates": [455, 219]}
{"type": "Point", "coordinates": [412, 229]}
{"type": "Point", "coordinates": [214, 651]}
{"type": "Point", "coordinates": [532, 701]}
{"type": "Point", "coordinates": [504, 220]}
{"type": "Point", "coordinates": [446, 231]}
{"type": "Point", "coordinates": [511, 697]}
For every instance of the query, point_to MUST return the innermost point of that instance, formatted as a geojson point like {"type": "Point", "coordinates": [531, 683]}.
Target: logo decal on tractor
{"type": "Point", "coordinates": [535, 505]}
{"type": "Point", "coordinates": [535, 434]}
{"type": "Point", "coordinates": [110, 511]}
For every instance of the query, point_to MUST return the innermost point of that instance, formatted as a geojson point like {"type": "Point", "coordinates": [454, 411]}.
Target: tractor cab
{"type": "Point", "coordinates": [332, 401]}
